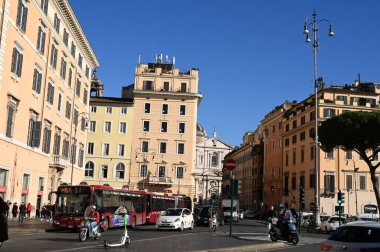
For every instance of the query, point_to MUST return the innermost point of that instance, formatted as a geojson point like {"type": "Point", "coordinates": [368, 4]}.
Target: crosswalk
{"type": "Point", "coordinates": [260, 237]}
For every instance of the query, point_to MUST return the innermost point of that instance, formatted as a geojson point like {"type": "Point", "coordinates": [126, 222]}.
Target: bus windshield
{"type": "Point", "coordinates": [72, 200]}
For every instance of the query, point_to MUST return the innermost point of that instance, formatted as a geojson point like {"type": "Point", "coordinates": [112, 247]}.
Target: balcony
{"type": "Point", "coordinates": [160, 181]}
{"type": "Point", "coordinates": [58, 162]}
{"type": "Point", "coordinates": [328, 192]}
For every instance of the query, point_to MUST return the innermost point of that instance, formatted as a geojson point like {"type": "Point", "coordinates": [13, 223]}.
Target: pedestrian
{"type": "Point", "coordinates": [14, 210]}
{"type": "Point", "coordinates": [21, 215]}
{"type": "Point", "coordinates": [28, 210]}
{"type": "Point", "coordinates": [37, 213]}
{"type": "Point", "coordinates": [9, 207]}
{"type": "Point", "coordinates": [3, 221]}
{"type": "Point", "coordinates": [43, 212]}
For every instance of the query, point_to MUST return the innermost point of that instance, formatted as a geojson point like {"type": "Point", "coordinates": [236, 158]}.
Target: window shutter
{"type": "Point", "coordinates": [48, 141]}
{"type": "Point", "coordinates": [18, 20]}
{"type": "Point", "coordinates": [10, 121]}
{"type": "Point", "coordinates": [24, 18]}
{"type": "Point", "coordinates": [52, 95]}
{"type": "Point", "coordinates": [39, 38]}
{"type": "Point", "coordinates": [35, 80]}
{"type": "Point", "coordinates": [19, 67]}
{"type": "Point", "coordinates": [43, 42]}
{"type": "Point", "coordinates": [13, 60]}
{"type": "Point", "coordinates": [39, 82]}
{"type": "Point", "coordinates": [36, 134]}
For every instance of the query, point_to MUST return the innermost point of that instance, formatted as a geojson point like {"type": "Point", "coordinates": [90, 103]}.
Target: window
{"type": "Point", "coordinates": [181, 128]}
{"type": "Point", "coordinates": [180, 171]}
{"type": "Point", "coordinates": [214, 159]}
{"type": "Point", "coordinates": [287, 158]}
{"type": "Point", "coordinates": [312, 152]}
{"type": "Point", "coordinates": [287, 127]}
{"type": "Point", "coordinates": [45, 6]}
{"type": "Point", "coordinates": [41, 39]}
{"type": "Point", "coordinates": [183, 87]}
{"type": "Point", "coordinates": [302, 136]}
{"type": "Point", "coordinates": [62, 72]}
{"type": "Point", "coordinates": [70, 77]}
{"type": "Point", "coordinates": [166, 86]}
{"type": "Point", "coordinates": [65, 149]}
{"type": "Point", "coordinates": [57, 143]}
{"type": "Point", "coordinates": [77, 88]}
{"type": "Point", "coordinates": [68, 110]}
{"type": "Point", "coordinates": [50, 94]}
{"type": "Point", "coordinates": [303, 120]}
{"type": "Point", "coordinates": [312, 133]}
{"type": "Point", "coordinates": [294, 157]}
{"type": "Point", "coordinates": [107, 127]}
{"type": "Point", "coordinates": [181, 148]}
{"type": "Point", "coordinates": [302, 155]}
{"type": "Point", "coordinates": [161, 172]}
{"type": "Point", "coordinates": [143, 170]}
{"type": "Point", "coordinates": [104, 171]}
{"type": "Point", "coordinates": [362, 182]}
{"type": "Point", "coordinates": [93, 109]}
{"type": "Point", "coordinates": [22, 15]}
{"type": "Point", "coordinates": [312, 180]}
{"type": "Point", "coordinates": [182, 109]}
{"type": "Point", "coordinates": [121, 149]}
{"type": "Point", "coordinates": [85, 94]}
{"type": "Point", "coordinates": [279, 125]}
{"type": "Point", "coordinates": [348, 154]}
{"type": "Point", "coordinates": [294, 139]}
{"type": "Point", "coordinates": [65, 37]}
{"type": "Point", "coordinates": [106, 149]}
{"type": "Point", "coordinates": [148, 85]}
{"type": "Point", "coordinates": [76, 116]}
{"type": "Point", "coordinates": [90, 148]}
{"type": "Point", "coordinates": [83, 123]}
{"type": "Point", "coordinates": [342, 98]}
{"type": "Point", "coordinates": [327, 112]}
{"type": "Point", "coordinates": [312, 116]}
{"type": "Point", "coordinates": [123, 111]}
{"type": "Point", "coordinates": [329, 154]}
{"type": "Point", "coordinates": [294, 182]}
{"type": "Point", "coordinates": [34, 132]}
{"type": "Point", "coordinates": [109, 110]}
{"type": "Point", "coordinates": [162, 147]}
{"type": "Point", "coordinates": [287, 142]}
{"type": "Point", "coordinates": [41, 182]}
{"type": "Point", "coordinates": [87, 72]}
{"type": "Point", "coordinates": [37, 79]}
{"type": "Point", "coordinates": [144, 146]}
{"type": "Point", "coordinates": [294, 124]}
{"type": "Point", "coordinates": [349, 182]}
{"type": "Point", "coordinates": [80, 60]}
{"type": "Point", "coordinates": [146, 126]}
{"type": "Point", "coordinates": [165, 109]}
{"type": "Point", "coordinates": [81, 157]}
{"type": "Point", "coordinates": [122, 127]}
{"type": "Point", "coordinates": [57, 22]}
{"type": "Point", "coordinates": [164, 126]}
{"type": "Point", "coordinates": [273, 128]}
{"type": "Point", "coordinates": [25, 181]}
{"type": "Point", "coordinates": [302, 181]}
{"type": "Point", "coordinates": [59, 107]}
{"type": "Point", "coordinates": [147, 108]}
{"type": "Point", "coordinates": [17, 59]}
{"type": "Point", "coordinates": [73, 49]}
{"type": "Point", "coordinates": [46, 139]}
{"type": "Point", "coordinates": [286, 184]}
{"type": "Point", "coordinates": [329, 183]}
{"type": "Point", "coordinates": [89, 169]}
{"type": "Point", "coordinates": [54, 56]}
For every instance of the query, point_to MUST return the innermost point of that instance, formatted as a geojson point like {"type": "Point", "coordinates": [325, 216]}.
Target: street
{"type": "Point", "coordinates": [248, 235]}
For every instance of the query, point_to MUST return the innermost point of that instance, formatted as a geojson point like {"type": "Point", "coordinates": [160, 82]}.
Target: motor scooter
{"type": "Point", "coordinates": [86, 230]}
{"type": "Point", "coordinates": [213, 223]}
{"type": "Point", "coordinates": [286, 231]}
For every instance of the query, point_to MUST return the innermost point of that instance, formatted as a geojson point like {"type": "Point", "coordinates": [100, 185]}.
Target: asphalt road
{"type": "Point", "coordinates": [248, 235]}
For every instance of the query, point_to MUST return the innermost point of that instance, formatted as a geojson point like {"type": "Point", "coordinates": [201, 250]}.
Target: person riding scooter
{"type": "Point", "coordinates": [95, 216]}
{"type": "Point", "coordinates": [283, 221]}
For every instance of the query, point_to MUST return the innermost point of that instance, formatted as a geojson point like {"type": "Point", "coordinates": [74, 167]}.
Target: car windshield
{"type": "Point", "coordinates": [172, 212]}
{"type": "Point", "coordinates": [355, 234]}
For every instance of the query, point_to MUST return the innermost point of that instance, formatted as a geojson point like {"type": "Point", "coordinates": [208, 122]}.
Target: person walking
{"type": "Point", "coordinates": [14, 210]}
{"type": "Point", "coordinates": [28, 210]}
{"type": "Point", "coordinates": [3, 221]}
{"type": "Point", "coordinates": [22, 210]}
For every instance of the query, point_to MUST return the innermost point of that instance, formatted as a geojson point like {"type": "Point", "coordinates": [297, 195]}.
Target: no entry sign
{"type": "Point", "coordinates": [230, 164]}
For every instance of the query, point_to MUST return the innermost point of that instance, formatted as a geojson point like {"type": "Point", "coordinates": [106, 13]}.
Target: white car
{"type": "Point", "coordinates": [175, 218]}
{"type": "Point", "coordinates": [332, 223]}
{"type": "Point", "coordinates": [354, 236]}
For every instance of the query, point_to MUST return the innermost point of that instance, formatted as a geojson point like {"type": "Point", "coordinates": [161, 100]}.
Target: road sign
{"type": "Point", "coordinates": [230, 164]}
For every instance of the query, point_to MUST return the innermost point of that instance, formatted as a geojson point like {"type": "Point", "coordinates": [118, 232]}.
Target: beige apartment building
{"type": "Point", "coordinates": [336, 168]}
{"type": "Point", "coordinates": [164, 128]}
{"type": "Point", "coordinates": [45, 65]}
{"type": "Point", "coordinates": [108, 151]}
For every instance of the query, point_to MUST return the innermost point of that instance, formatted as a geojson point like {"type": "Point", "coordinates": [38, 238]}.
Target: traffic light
{"type": "Point", "coordinates": [302, 197]}
{"type": "Point", "coordinates": [239, 187]}
{"type": "Point", "coordinates": [340, 197]}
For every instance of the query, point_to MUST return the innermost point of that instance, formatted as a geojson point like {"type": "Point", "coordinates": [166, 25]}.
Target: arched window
{"type": "Point", "coordinates": [120, 170]}
{"type": "Point", "coordinates": [214, 159]}
{"type": "Point", "coordinates": [89, 169]}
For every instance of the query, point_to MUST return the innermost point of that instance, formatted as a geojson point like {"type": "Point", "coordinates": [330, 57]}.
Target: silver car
{"type": "Point", "coordinates": [354, 236]}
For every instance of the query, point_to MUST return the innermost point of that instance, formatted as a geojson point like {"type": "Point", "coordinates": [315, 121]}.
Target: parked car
{"type": "Point", "coordinates": [363, 217]}
{"type": "Point", "coordinates": [175, 218]}
{"type": "Point", "coordinates": [354, 236]}
{"type": "Point", "coordinates": [248, 214]}
{"type": "Point", "coordinates": [305, 218]}
{"type": "Point", "coordinates": [204, 215]}
{"type": "Point", "coordinates": [332, 223]}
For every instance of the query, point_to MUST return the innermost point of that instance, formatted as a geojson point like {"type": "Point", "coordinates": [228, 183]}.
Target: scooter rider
{"type": "Point", "coordinates": [95, 216]}
{"type": "Point", "coordinates": [283, 221]}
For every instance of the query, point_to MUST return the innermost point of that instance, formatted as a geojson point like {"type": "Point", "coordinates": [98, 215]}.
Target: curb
{"type": "Point", "coordinates": [249, 248]}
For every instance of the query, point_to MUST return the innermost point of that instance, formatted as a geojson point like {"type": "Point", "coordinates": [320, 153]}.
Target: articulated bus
{"type": "Point", "coordinates": [144, 207]}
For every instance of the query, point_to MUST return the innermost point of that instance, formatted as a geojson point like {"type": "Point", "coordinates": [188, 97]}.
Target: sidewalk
{"type": "Point", "coordinates": [29, 223]}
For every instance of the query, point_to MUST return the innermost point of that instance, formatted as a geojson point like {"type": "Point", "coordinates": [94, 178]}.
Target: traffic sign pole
{"type": "Point", "coordinates": [232, 182]}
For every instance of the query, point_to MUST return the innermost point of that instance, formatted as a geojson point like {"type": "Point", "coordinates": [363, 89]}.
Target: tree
{"type": "Point", "coordinates": [357, 131]}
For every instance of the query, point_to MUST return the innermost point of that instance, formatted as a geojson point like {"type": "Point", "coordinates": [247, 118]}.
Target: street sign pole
{"type": "Point", "coordinates": [232, 182]}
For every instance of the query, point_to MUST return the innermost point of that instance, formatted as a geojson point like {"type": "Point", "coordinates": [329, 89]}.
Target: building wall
{"type": "Point", "coordinates": [190, 98]}
{"type": "Point", "coordinates": [102, 111]}
{"type": "Point", "coordinates": [43, 170]}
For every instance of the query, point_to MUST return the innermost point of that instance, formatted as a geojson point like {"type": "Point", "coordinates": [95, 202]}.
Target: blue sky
{"type": "Point", "coordinates": [251, 54]}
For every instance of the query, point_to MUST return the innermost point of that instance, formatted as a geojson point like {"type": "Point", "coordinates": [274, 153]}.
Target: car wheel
{"type": "Point", "coordinates": [134, 222]}
{"type": "Point", "coordinates": [105, 224]}
{"type": "Point", "coordinates": [192, 226]}
{"type": "Point", "coordinates": [182, 226]}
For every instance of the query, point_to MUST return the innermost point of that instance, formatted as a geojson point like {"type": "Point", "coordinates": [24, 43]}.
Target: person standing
{"type": "Point", "coordinates": [9, 207]}
{"type": "Point", "coordinates": [14, 210]}
{"type": "Point", "coordinates": [22, 210]}
{"type": "Point", "coordinates": [3, 221]}
{"type": "Point", "coordinates": [28, 210]}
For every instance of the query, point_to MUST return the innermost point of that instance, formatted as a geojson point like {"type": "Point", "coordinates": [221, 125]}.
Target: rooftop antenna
{"type": "Point", "coordinates": [359, 77]}
{"type": "Point", "coordinates": [166, 59]}
{"type": "Point", "coordinates": [139, 59]}
{"type": "Point", "coordinates": [173, 60]}
{"type": "Point", "coordinates": [156, 58]}
{"type": "Point", "coordinates": [159, 60]}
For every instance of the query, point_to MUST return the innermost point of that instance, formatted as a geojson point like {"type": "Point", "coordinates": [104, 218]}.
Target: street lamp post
{"type": "Point", "coordinates": [73, 149]}
{"type": "Point", "coordinates": [356, 191]}
{"type": "Point", "coordinates": [314, 23]}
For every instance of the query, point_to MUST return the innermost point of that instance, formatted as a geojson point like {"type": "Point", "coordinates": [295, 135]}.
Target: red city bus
{"type": "Point", "coordinates": [71, 202]}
